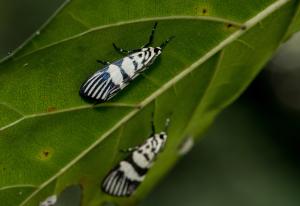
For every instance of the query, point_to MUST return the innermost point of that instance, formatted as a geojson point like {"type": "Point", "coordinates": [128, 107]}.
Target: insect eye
{"type": "Point", "coordinates": [161, 136]}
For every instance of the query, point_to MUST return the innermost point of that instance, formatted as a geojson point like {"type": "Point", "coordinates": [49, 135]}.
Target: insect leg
{"type": "Point", "coordinates": [103, 62]}
{"type": "Point", "coordinates": [124, 51]}
{"type": "Point", "coordinates": [121, 50]}
{"type": "Point", "coordinates": [130, 149]}
{"type": "Point", "coordinates": [151, 36]}
{"type": "Point", "coordinates": [164, 44]}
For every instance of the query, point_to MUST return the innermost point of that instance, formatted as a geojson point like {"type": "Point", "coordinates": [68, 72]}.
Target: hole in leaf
{"type": "Point", "coordinates": [108, 204]}
{"type": "Point", "coordinates": [72, 195]}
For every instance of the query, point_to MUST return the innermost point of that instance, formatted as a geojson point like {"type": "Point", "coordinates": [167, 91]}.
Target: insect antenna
{"type": "Point", "coordinates": [164, 44]}
{"type": "Point", "coordinates": [152, 124]}
{"type": "Point", "coordinates": [167, 124]}
{"type": "Point", "coordinates": [105, 63]}
{"type": "Point", "coordinates": [151, 36]}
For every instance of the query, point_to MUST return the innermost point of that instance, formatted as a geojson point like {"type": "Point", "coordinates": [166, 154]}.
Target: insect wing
{"type": "Point", "coordinates": [98, 87]}
{"type": "Point", "coordinates": [117, 183]}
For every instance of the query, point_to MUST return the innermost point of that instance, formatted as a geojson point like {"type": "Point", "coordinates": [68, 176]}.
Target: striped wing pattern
{"type": "Point", "coordinates": [99, 87]}
{"type": "Point", "coordinates": [117, 184]}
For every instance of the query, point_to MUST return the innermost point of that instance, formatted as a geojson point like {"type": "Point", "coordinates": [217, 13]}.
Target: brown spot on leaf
{"type": "Point", "coordinates": [204, 11]}
{"type": "Point", "coordinates": [229, 26]}
{"type": "Point", "coordinates": [51, 109]}
{"type": "Point", "coordinates": [45, 154]}
{"type": "Point", "coordinates": [243, 27]}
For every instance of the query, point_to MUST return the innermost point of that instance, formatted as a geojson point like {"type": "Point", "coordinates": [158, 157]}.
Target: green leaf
{"type": "Point", "coordinates": [51, 139]}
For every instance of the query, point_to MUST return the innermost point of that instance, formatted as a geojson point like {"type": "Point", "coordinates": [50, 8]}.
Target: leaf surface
{"type": "Point", "coordinates": [51, 139]}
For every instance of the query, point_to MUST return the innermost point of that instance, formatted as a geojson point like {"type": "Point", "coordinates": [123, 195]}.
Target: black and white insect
{"type": "Point", "coordinates": [115, 76]}
{"type": "Point", "coordinates": [124, 179]}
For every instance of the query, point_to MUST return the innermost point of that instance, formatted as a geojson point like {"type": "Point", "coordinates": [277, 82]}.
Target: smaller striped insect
{"type": "Point", "coordinates": [124, 179]}
{"type": "Point", "coordinates": [115, 76]}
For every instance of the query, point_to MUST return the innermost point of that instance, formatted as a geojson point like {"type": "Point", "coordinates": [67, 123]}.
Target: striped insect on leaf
{"type": "Point", "coordinates": [107, 82]}
{"type": "Point", "coordinates": [124, 179]}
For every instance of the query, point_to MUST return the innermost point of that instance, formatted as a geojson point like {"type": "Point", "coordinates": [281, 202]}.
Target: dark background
{"type": "Point", "coordinates": [250, 156]}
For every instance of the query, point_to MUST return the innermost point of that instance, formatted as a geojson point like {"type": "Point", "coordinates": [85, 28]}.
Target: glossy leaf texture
{"type": "Point", "coordinates": [51, 139]}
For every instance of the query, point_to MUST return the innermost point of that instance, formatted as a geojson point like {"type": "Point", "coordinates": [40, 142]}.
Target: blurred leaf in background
{"type": "Point", "coordinates": [250, 156]}
{"type": "Point", "coordinates": [21, 19]}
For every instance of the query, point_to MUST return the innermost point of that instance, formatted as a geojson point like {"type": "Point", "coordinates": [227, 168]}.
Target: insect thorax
{"type": "Point", "coordinates": [145, 57]}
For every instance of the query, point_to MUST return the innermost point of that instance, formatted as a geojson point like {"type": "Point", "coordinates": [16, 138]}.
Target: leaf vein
{"type": "Point", "coordinates": [78, 20]}
{"type": "Point", "coordinates": [93, 29]}
{"type": "Point", "coordinates": [12, 108]}
{"type": "Point", "coordinates": [78, 108]}
{"type": "Point", "coordinates": [17, 186]}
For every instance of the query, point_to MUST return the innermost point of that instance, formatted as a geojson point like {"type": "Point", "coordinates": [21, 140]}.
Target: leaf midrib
{"type": "Point", "coordinates": [247, 25]}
